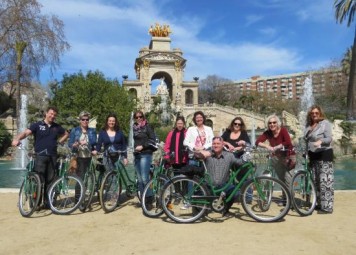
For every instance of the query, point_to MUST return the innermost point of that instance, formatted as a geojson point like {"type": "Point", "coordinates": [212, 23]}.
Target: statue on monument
{"type": "Point", "coordinates": [160, 31]}
{"type": "Point", "coordinates": [162, 88]}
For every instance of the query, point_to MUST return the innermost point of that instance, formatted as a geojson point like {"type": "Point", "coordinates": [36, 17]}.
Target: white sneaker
{"type": "Point", "coordinates": [185, 206]}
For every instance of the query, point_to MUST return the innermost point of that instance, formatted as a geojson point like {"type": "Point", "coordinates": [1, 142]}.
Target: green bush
{"type": "Point", "coordinates": [162, 133]}
{"type": "Point", "coordinates": [5, 139]}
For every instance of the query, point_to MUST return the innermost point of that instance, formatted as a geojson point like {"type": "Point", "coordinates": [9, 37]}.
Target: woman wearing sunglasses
{"type": "Point", "coordinates": [82, 141]}
{"type": "Point", "coordinates": [144, 146]}
{"type": "Point", "coordinates": [319, 137]}
{"type": "Point", "coordinates": [235, 137]}
{"type": "Point", "coordinates": [278, 137]}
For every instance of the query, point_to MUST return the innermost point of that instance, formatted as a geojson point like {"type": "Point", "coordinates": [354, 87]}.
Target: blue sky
{"type": "Point", "coordinates": [234, 39]}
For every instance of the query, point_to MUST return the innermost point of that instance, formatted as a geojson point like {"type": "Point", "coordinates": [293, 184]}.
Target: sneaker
{"type": "Point", "coordinates": [225, 213]}
{"type": "Point", "coordinates": [325, 212]}
{"type": "Point", "coordinates": [149, 206]}
{"type": "Point", "coordinates": [281, 203]}
{"type": "Point", "coordinates": [185, 206]}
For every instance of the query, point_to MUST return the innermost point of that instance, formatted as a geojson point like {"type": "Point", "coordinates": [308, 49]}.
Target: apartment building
{"type": "Point", "coordinates": [287, 86]}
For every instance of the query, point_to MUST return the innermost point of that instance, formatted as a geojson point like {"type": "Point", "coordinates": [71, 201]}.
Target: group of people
{"type": "Point", "coordinates": [199, 139]}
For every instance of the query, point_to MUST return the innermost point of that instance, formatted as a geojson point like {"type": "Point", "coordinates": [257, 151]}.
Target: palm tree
{"type": "Point", "coordinates": [346, 61]}
{"type": "Point", "coordinates": [345, 9]}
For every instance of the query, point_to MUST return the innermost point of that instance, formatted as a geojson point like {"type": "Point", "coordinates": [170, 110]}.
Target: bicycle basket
{"type": "Point", "coordinates": [112, 152]}
{"type": "Point", "coordinates": [190, 170]}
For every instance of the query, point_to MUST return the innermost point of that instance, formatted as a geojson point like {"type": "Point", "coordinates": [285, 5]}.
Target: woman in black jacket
{"type": "Point", "coordinates": [144, 144]}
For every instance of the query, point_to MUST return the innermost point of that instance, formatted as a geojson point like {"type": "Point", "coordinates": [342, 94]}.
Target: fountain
{"type": "Point", "coordinates": [253, 133]}
{"type": "Point", "coordinates": [20, 158]}
{"type": "Point", "coordinates": [162, 91]}
{"type": "Point", "coordinates": [130, 144]}
{"type": "Point", "coordinates": [306, 101]}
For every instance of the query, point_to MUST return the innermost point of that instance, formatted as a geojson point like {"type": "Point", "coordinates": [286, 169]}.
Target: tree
{"type": "Point", "coordinates": [29, 41]}
{"type": "Point", "coordinates": [209, 90]}
{"type": "Point", "coordinates": [346, 61]}
{"type": "Point", "coordinates": [5, 139]}
{"type": "Point", "coordinates": [94, 93]}
{"type": "Point", "coordinates": [345, 9]}
{"type": "Point", "coordinates": [332, 95]}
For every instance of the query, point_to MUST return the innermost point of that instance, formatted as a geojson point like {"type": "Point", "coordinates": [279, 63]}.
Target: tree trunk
{"type": "Point", "coordinates": [351, 95]}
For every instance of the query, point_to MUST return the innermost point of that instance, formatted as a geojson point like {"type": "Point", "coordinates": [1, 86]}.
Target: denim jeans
{"type": "Point", "coordinates": [142, 165]}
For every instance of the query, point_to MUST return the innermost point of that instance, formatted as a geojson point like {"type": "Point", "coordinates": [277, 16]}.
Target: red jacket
{"type": "Point", "coordinates": [167, 146]}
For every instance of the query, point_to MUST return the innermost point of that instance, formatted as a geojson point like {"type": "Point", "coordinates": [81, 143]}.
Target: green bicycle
{"type": "Point", "coordinates": [303, 190]}
{"type": "Point", "coordinates": [189, 198]}
{"type": "Point", "coordinates": [112, 183]}
{"type": "Point", "coordinates": [151, 195]}
{"type": "Point", "coordinates": [66, 192]}
{"type": "Point", "coordinates": [92, 181]}
{"type": "Point", "coordinates": [31, 188]}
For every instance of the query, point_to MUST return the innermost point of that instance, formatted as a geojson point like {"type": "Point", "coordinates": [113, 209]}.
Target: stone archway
{"type": "Point", "coordinates": [189, 97]}
{"type": "Point", "coordinates": [133, 93]}
{"type": "Point", "coordinates": [167, 79]}
{"type": "Point", "coordinates": [209, 123]}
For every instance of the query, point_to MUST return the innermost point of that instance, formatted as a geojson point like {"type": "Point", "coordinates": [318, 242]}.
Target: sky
{"type": "Point", "coordinates": [233, 39]}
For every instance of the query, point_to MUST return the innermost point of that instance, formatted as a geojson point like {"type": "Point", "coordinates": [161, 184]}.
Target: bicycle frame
{"type": "Point", "coordinates": [123, 174]}
{"type": "Point", "coordinates": [206, 180]}
{"type": "Point", "coordinates": [306, 170]}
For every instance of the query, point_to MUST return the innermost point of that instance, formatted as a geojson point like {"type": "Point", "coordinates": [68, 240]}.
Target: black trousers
{"type": "Point", "coordinates": [45, 166]}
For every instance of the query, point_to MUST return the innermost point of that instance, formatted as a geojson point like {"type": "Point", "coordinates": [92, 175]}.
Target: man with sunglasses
{"type": "Point", "coordinates": [218, 164]}
{"type": "Point", "coordinates": [46, 134]}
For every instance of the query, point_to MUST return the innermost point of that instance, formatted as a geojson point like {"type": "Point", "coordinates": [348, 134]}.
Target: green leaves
{"type": "Point", "coordinates": [5, 139]}
{"type": "Point", "coordinates": [93, 93]}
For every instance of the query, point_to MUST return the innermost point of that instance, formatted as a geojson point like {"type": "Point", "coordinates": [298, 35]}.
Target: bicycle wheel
{"type": "Point", "coordinates": [182, 199]}
{"type": "Point", "coordinates": [276, 200]}
{"type": "Point", "coordinates": [66, 194]}
{"type": "Point", "coordinates": [89, 189]}
{"type": "Point", "coordinates": [29, 195]}
{"type": "Point", "coordinates": [303, 194]}
{"type": "Point", "coordinates": [151, 197]}
{"type": "Point", "coordinates": [110, 191]}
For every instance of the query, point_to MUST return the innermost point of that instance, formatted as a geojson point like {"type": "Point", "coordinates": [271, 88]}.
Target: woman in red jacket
{"type": "Point", "coordinates": [173, 147]}
{"type": "Point", "coordinates": [278, 138]}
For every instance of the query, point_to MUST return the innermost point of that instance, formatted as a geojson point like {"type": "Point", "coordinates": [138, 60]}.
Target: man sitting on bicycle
{"type": "Point", "coordinates": [218, 165]}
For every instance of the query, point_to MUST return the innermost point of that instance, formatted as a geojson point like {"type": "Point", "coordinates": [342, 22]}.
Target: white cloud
{"type": "Point", "coordinates": [317, 11]}
{"type": "Point", "coordinates": [251, 19]}
{"type": "Point", "coordinates": [268, 31]}
{"type": "Point", "coordinates": [108, 38]}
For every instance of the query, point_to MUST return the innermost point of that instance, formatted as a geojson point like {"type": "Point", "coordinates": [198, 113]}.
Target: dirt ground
{"type": "Point", "coordinates": [127, 231]}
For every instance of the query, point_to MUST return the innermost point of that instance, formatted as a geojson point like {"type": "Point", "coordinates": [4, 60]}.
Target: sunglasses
{"type": "Point", "coordinates": [238, 124]}
{"type": "Point", "coordinates": [84, 119]}
{"type": "Point", "coordinates": [139, 117]}
{"type": "Point", "coordinates": [272, 122]}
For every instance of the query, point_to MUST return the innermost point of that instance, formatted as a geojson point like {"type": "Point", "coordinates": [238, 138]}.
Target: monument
{"type": "Point", "coordinates": [159, 61]}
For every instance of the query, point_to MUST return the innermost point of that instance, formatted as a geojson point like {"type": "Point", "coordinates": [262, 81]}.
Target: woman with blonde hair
{"type": "Point", "coordinates": [278, 138]}
{"type": "Point", "coordinates": [319, 137]}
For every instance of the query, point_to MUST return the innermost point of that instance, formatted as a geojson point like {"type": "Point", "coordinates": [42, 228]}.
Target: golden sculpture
{"type": "Point", "coordinates": [146, 63]}
{"type": "Point", "coordinates": [160, 31]}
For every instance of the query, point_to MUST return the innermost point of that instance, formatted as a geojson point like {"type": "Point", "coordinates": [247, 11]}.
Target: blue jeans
{"type": "Point", "coordinates": [142, 164]}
